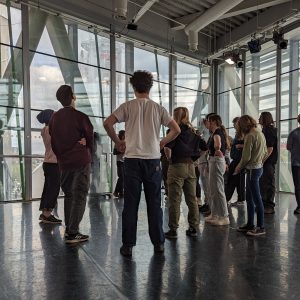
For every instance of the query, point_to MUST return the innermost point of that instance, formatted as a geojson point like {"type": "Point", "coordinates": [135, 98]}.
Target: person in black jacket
{"type": "Point", "coordinates": [236, 181]}
{"type": "Point", "coordinates": [181, 173]}
{"type": "Point", "coordinates": [267, 180]}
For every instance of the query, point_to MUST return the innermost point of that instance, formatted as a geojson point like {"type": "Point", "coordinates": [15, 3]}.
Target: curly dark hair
{"type": "Point", "coordinates": [141, 81]}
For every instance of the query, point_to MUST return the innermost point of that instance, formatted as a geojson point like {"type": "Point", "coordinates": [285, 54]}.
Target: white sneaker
{"type": "Point", "coordinates": [210, 218]}
{"type": "Point", "coordinates": [220, 221]}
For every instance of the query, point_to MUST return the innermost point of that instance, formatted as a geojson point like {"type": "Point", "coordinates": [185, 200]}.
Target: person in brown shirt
{"type": "Point", "coordinates": [68, 126]}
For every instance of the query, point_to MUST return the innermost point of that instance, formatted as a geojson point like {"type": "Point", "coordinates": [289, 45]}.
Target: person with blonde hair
{"type": "Point", "coordinates": [217, 145]}
{"type": "Point", "coordinates": [253, 156]}
{"type": "Point", "coordinates": [181, 173]}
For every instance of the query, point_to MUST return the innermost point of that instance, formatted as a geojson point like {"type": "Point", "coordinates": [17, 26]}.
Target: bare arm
{"type": "Point", "coordinates": [269, 152]}
{"type": "Point", "coordinates": [109, 127]}
{"type": "Point", "coordinates": [168, 152]}
{"type": "Point", "coordinates": [173, 133]}
{"type": "Point", "coordinates": [217, 145]}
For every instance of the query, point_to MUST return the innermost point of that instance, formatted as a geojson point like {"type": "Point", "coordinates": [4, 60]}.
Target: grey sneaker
{"type": "Point", "coordinates": [50, 220]}
{"type": "Point", "coordinates": [76, 238]}
{"type": "Point", "coordinates": [256, 232]}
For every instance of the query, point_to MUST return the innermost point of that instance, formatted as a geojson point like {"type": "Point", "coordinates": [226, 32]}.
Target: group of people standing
{"type": "Point", "coordinates": [68, 133]}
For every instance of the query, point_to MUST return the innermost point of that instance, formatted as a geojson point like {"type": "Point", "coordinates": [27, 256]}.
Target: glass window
{"type": "Point", "coordinates": [229, 77]}
{"type": "Point", "coordinates": [195, 101]}
{"type": "Point", "coordinates": [261, 65]}
{"type": "Point", "coordinates": [188, 76]}
{"type": "Point", "coordinates": [11, 79]}
{"type": "Point", "coordinates": [63, 38]}
{"type": "Point", "coordinates": [146, 60]}
{"type": "Point", "coordinates": [48, 73]}
{"type": "Point", "coordinates": [10, 18]}
{"type": "Point", "coordinates": [229, 106]}
{"type": "Point", "coordinates": [261, 96]}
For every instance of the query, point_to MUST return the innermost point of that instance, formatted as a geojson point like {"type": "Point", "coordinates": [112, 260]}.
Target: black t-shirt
{"type": "Point", "coordinates": [270, 133]}
{"type": "Point", "coordinates": [210, 142]}
{"type": "Point", "coordinates": [185, 144]}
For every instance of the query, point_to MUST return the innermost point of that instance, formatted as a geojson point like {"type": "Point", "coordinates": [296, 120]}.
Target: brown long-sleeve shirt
{"type": "Point", "coordinates": [67, 126]}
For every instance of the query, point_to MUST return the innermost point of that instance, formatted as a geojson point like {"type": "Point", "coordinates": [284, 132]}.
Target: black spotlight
{"type": "Point", "coordinates": [239, 63]}
{"type": "Point", "coordinates": [254, 46]}
{"type": "Point", "coordinates": [132, 26]}
{"type": "Point", "coordinates": [279, 40]}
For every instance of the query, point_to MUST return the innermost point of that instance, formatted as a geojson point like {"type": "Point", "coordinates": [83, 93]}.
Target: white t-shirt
{"type": "Point", "coordinates": [143, 119]}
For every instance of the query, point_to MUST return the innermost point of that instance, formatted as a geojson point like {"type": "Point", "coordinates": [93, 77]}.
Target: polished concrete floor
{"type": "Point", "coordinates": [220, 263]}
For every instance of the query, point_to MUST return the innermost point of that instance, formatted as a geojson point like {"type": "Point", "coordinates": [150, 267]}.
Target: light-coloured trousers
{"type": "Point", "coordinates": [218, 205]}
{"type": "Point", "coordinates": [204, 171]}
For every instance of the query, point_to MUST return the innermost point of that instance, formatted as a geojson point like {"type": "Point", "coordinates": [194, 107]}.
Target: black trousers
{"type": "Point", "coordinates": [198, 187]}
{"type": "Point", "coordinates": [296, 178]}
{"type": "Point", "coordinates": [267, 185]}
{"type": "Point", "coordinates": [75, 184]}
{"type": "Point", "coordinates": [235, 182]}
{"type": "Point", "coordinates": [119, 189]}
{"type": "Point", "coordinates": [164, 169]}
{"type": "Point", "coordinates": [51, 186]}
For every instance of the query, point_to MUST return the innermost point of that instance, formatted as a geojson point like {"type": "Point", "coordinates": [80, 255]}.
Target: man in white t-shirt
{"type": "Point", "coordinates": [143, 119]}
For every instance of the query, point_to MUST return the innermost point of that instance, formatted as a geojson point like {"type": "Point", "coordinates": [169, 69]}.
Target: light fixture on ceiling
{"type": "Point", "coordinates": [254, 45]}
{"type": "Point", "coordinates": [279, 40]}
{"type": "Point", "coordinates": [233, 58]}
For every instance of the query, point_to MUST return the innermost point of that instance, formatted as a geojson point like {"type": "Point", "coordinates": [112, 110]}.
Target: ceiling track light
{"type": "Point", "coordinates": [254, 45]}
{"type": "Point", "coordinates": [233, 58]}
{"type": "Point", "coordinates": [279, 40]}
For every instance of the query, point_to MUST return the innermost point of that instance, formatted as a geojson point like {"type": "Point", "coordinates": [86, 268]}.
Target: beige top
{"type": "Point", "coordinates": [143, 119]}
{"type": "Point", "coordinates": [49, 154]}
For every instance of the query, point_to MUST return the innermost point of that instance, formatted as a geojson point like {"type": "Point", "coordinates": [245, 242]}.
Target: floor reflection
{"type": "Point", "coordinates": [220, 263]}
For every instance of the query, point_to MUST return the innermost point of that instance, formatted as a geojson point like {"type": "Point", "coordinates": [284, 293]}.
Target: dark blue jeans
{"type": "Point", "coordinates": [138, 172]}
{"type": "Point", "coordinates": [253, 197]}
{"type": "Point", "coordinates": [296, 178]}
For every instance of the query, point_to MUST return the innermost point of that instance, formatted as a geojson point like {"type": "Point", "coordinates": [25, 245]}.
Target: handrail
{"type": "Point", "coordinates": [25, 156]}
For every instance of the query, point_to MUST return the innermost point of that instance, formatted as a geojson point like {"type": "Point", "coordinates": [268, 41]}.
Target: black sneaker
{"type": "Point", "coordinates": [171, 234]}
{"type": "Point", "coordinates": [245, 228]}
{"type": "Point", "coordinates": [204, 208]}
{"type": "Point", "coordinates": [159, 248]}
{"type": "Point", "coordinates": [297, 210]}
{"type": "Point", "coordinates": [256, 231]}
{"type": "Point", "coordinates": [76, 238]}
{"type": "Point", "coordinates": [50, 220]}
{"type": "Point", "coordinates": [191, 231]}
{"type": "Point", "coordinates": [126, 251]}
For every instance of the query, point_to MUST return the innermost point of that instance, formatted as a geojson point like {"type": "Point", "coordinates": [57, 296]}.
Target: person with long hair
{"type": "Point", "coordinates": [217, 145]}
{"type": "Point", "coordinates": [254, 153]}
{"type": "Point", "coordinates": [181, 173]}
{"type": "Point", "coordinates": [236, 181]}
{"type": "Point", "coordinates": [267, 180]}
